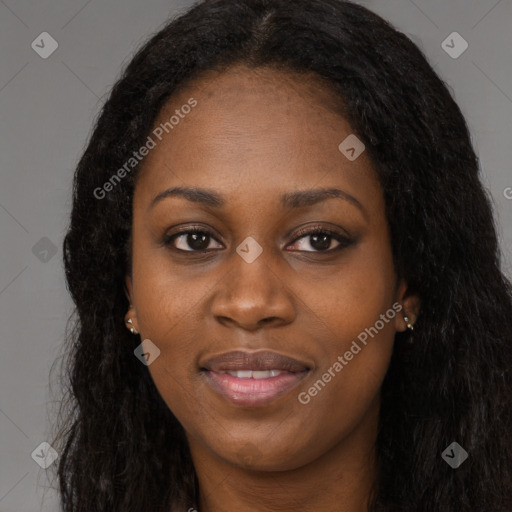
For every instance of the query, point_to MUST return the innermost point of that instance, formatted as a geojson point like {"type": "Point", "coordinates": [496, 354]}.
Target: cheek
{"type": "Point", "coordinates": [351, 376]}
{"type": "Point", "coordinates": [357, 292]}
{"type": "Point", "coordinates": [354, 360]}
{"type": "Point", "coordinates": [356, 312]}
{"type": "Point", "coordinates": [165, 298]}
{"type": "Point", "coordinates": [167, 314]}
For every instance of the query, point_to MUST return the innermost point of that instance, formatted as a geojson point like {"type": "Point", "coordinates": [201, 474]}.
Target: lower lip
{"type": "Point", "coordinates": [253, 392]}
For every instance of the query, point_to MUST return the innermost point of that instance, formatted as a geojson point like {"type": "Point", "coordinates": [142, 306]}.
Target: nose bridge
{"type": "Point", "coordinates": [253, 291]}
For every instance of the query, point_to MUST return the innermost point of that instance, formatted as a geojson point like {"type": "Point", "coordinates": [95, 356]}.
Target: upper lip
{"type": "Point", "coordinates": [261, 360]}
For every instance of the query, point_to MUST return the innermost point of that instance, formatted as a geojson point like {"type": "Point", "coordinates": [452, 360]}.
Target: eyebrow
{"type": "Point", "coordinates": [298, 199]}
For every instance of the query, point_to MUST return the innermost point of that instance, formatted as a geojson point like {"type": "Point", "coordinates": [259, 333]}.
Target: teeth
{"type": "Point", "coordinates": [256, 374]}
{"type": "Point", "coordinates": [242, 374]}
{"type": "Point", "coordinates": [261, 374]}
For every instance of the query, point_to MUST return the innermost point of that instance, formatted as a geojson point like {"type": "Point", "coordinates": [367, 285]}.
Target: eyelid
{"type": "Point", "coordinates": [168, 239]}
{"type": "Point", "coordinates": [344, 239]}
{"type": "Point", "coordinates": [319, 228]}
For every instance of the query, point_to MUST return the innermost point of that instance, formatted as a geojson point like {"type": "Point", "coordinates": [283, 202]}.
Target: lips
{"type": "Point", "coordinates": [253, 379]}
{"type": "Point", "coordinates": [266, 360]}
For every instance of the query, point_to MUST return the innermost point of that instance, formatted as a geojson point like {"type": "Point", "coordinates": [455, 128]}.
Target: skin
{"type": "Point", "coordinates": [253, 136]}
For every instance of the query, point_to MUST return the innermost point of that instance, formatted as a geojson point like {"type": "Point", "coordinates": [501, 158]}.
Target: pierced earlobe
{"type": "Point", "coordinates": [408, 323]}
{"type": "Point", "coordinates": [129, 325]}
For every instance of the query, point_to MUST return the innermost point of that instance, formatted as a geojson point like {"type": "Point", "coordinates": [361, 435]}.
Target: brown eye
{"type": "Point", "coordinates": [193, 240]}
{"type": "Point", "coordinates": [320, 239]}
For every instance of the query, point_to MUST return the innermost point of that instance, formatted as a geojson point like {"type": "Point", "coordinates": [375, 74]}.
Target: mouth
{"type": "Point", "coordinates": [253, 379]}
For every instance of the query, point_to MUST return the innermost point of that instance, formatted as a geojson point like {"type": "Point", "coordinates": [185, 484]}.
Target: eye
{"type": "Point", "coordinates": [190, 240]}
{"type": "Point", "coordinates": [198, 239]}
{"type": "Point", "coordinates": [320, 240]}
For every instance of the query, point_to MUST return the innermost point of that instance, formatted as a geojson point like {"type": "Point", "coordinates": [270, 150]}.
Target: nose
{"type": "Point", "coordinates": [253, 295]}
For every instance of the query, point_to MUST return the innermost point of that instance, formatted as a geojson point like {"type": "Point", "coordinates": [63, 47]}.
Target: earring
{"type": "Point", "coordinates": [408, 322]}
{"type": "Point", "coordinates": [131, 328]}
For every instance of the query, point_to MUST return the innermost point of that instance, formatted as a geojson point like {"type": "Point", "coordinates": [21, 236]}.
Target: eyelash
{"type": "Point", "coordinates": [343, 240]}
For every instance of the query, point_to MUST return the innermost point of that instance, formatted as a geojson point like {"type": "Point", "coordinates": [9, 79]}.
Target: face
{"type": "Point", "coordinates": [256, 262]}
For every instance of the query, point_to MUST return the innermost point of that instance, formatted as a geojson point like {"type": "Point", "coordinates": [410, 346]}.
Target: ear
{"type": "Point", "coordinates": [128, 288]}
{"type": "Point", "coordinates": [131, 313]}
{"type": "Point", "coordinates": [410, 307]}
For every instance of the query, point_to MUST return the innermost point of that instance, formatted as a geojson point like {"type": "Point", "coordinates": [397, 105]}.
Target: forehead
{"type": "Point", "coordinates": [253, 130]}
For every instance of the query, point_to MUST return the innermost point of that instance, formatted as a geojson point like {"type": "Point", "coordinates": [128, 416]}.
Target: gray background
{"type": "Point", "coordinates": [47, 108]}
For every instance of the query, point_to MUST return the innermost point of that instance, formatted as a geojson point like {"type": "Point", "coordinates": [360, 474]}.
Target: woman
{"type": "Point", "coordinates": [286, 276]}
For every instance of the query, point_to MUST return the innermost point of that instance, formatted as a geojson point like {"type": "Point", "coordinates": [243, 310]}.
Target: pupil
{"type": "Point", "coordinates": [196, 241]}
{"type": "Point", "coordinates": [325, 241]}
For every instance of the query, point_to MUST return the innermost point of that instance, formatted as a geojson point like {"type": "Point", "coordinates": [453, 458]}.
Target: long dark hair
{"type": "Point", "coordinates": [449, 380]}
